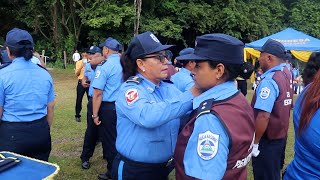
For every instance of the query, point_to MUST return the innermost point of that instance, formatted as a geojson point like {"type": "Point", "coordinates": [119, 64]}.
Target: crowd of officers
{"type": "Point", "coordinates": [198, 123]}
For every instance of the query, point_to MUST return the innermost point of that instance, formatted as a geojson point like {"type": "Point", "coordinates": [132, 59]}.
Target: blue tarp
{"type": "Point", "coordinates": [291, 39]}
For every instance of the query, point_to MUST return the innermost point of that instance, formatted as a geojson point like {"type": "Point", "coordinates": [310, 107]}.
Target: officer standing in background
{"type": "Point", "coordinates": [272, 103]}
{"type": "Point", "coordinates": [92, 134]}
{"type": "Point", "coordinates": [217, 141]}
{"type": "Point", "coordinates": [106, 84]}
{"type": "Point", "coordinates": [26, 100]}
{"type": "Point", "coordinates": [148, 111]}
{"type": "Point", "coordinates": [183, 79]}
{"type": "Point", "coordinates": [81, 90]}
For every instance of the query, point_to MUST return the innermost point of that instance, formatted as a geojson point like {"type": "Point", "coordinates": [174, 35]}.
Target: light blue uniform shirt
{"type": "Point", "coordinates": [35, 60]}
{"type": "Point", "coordinates": [267, 91]}
{"type": "Point", "coordinates": [108, 78]}
{"type": "Point", "coordinates": [89, 73]}
{"type": "Point", "coordinates": [295, 73]}
{"type": "Point", "coordinates": [214, 167]}
{"type": "Point", "coordinates": [182, 80]}
{"type": "Point", "coordinates": [306, 160]}
{"type": "Point", "coordinates": [25, 91]}
{"type": "Point", "coordinates": [148, 120]}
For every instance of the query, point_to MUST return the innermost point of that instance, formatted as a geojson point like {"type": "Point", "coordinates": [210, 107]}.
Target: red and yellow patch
{"type": "Point", "coordinates": [131, 96]}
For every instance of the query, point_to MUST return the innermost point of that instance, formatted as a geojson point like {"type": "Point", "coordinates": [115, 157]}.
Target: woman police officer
{"type": "Point", "coordinates": [216, 142]}
{"type": "Point", "coordinates": [148, 111]}
{"type": "Point", "coordinates": [26, 100]}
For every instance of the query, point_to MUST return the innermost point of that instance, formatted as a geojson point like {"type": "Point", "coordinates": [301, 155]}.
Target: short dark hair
{"type": "Point", "coordinates": [25, 51]}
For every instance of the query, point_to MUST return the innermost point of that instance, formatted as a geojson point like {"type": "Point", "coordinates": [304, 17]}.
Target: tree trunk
{"type": "Point", "coordinates": [137, 5]}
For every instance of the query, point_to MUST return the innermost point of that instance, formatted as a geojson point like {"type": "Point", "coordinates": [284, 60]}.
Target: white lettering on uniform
{"type": "Point", "coordinates": [287, 102]}
{"type": "Point", "coordinates": [243, 162]}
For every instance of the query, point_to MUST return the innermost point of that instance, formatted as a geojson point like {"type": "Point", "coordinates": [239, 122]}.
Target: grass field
{"type": "Point", "coordinates": [67, 134]}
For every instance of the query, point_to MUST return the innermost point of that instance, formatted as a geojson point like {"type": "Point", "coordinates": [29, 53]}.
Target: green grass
{"type": "Point", "coordinates": [67, 134]}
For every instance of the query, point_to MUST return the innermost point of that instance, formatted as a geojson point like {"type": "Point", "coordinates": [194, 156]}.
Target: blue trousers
{"type": "Point", "coordinates": [267, 165]}
{"type": "Point", "coordinates": [30, 139]}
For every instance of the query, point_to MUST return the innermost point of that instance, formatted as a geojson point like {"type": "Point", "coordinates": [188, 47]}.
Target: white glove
{"type": "Point", "coordinates": [255, 150]}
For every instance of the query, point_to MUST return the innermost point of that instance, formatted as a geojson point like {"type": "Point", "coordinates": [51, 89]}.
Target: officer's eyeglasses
{"type": "Point", "coordinates": [161, 57]}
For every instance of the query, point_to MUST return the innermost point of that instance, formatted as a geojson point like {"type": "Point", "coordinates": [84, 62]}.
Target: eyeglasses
{"type": "Point", "coordinates": [161, 57]}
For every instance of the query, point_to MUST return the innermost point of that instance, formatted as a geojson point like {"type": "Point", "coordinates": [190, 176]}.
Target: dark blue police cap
{"type": "Point", "coordinates": [275, 48]}
{"type": "Point", "coordinates": [217, 47]}
{"type": "Point", "coordinates": [144, 44]}
{"type": "Point", "coordinates": [18, 38]}
{"type": "Point", "coordinates": [94, 49]}
{"type": "Point", "coordinates": [111, 43]}
{"type": "Point", "coordinates": [186, 51]}
{"type": "Point", "coordinates": [5, 57]}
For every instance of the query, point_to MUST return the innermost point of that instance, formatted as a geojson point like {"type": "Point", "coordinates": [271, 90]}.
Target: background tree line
{"type": "Point", "coordinates": [58, 25]}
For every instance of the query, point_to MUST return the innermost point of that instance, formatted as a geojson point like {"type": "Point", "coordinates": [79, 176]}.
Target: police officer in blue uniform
{"type": "Point", "coordinates": [91, 135]}
{"type": "Point", "coordinates": [213, 142]}
{"type": "Point", "coordinates": [272, 103]}
{"type": "Point", "coordinates": [183, 79]}
{"type": "Point", "coordinates": [26, 100]}
{"type": "Point", "coordinates": [148, 111]}
{"type": "Point", "coordinates": [106, 84]}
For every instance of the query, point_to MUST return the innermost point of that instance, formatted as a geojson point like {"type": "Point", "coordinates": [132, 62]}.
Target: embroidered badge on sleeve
{"type": "Point", "coordinates": [207, 145]}
{"type": "Point", "coordinates": [131, 96]}
{"type": "Point", "coordinates": [265, 92]}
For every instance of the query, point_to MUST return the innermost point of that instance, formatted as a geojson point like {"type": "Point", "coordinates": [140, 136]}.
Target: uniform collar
{"type": "Point", "coordinates": [184, 70]}
{"type": "Point", "coordinates": [18, 59]}
{"type": "Point", "coordinates": [278, 67]}
{"type": "Point", "coordinates": [218, 92]}
{"type": "Point", "coordinates": [148, 84]}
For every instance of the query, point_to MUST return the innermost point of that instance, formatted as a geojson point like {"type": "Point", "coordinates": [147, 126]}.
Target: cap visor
{"type": "Point", "coordinates": [101, 45]}
{"type": "Point", "coordinates": [161, 48]}
{"type": "Point", "coordinates": [191, 57]}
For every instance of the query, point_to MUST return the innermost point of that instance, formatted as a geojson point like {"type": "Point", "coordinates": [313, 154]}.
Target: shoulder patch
{"type": "Point", "coordinates": [135, 79]}
{"type": "Point", "coordinates": [208, 143]}
{"type": "Point", "coordinates": [265, 92]}
{"type": "Point", "coordinates": [97, 74]}
{"type": "Point", "coordinates": [132, 96]}
{"type": "Point", "coordinates": [205, 107]}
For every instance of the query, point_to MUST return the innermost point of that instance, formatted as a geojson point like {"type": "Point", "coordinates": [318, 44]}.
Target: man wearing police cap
{"type": "Point", "coordinates": [272, 103]}
{"type": "Point", "coordinates": [216, 142]}
{"type": "Point", "coordinates": [106, 84]}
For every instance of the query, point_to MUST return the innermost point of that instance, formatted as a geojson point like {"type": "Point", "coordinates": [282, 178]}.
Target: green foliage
{"type": "Point", "coordinates": [305, 16]}
{"type": "Point", "coordinates": [59, 25]}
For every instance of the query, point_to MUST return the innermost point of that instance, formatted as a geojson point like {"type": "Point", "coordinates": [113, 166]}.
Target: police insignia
{"type": "Point", "coordinates": [131, 96]}
{"type": "Point", "coordinates": [97, 74]}
{"type": "Point", "coordinates": [265, 92]}
{"type": "Point", "coordinates": [154, 38]}
{"type": "Point", "coordinates": [207, 145]}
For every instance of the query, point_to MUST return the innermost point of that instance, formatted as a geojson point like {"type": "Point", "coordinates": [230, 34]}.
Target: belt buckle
{"type": "Point", "coordinates": [169, 162]}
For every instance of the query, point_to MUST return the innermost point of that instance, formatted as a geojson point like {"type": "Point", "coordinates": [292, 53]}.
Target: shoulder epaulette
{"type": "Point", "coordinates": [167, 81]}
{"type": "Point", "coordinates": [205, 107]}
{"type": "Point", "coordinates": [42, 67]}
{"type": "Point", "coordinates": [135, 79]}
{"type": "Point", "coordinates": [4, 65]}
{"type": "Point", "coordinates": [102, 62]}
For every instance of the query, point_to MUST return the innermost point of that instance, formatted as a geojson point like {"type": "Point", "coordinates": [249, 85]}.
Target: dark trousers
{"type": "Point", "coordinates": [283, 154]}
{"type": "Point", "coordinates": [107, 130]}
{"type": "Point", "coordinates": [242, 86]}
{"type": "Point", "coordinates": [30, 139]}
{"type": "Point", "coordinates": [80, 93]}
{"type": "Point", "coordinates": [91, 136]}
{"type": "Point", "coordinates": [267, 165]}
{"type": "Point", "coordinates": [130, 170]}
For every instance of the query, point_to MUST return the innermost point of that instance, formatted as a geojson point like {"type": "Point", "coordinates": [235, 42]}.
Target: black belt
{"type": "Point", "coordinates": [142, 164]}
{"type": "Point", "coordinates": [28, 122]}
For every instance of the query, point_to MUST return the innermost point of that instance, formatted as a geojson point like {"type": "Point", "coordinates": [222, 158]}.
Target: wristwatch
{"type": "Point", "coordinates": [94, 117]}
